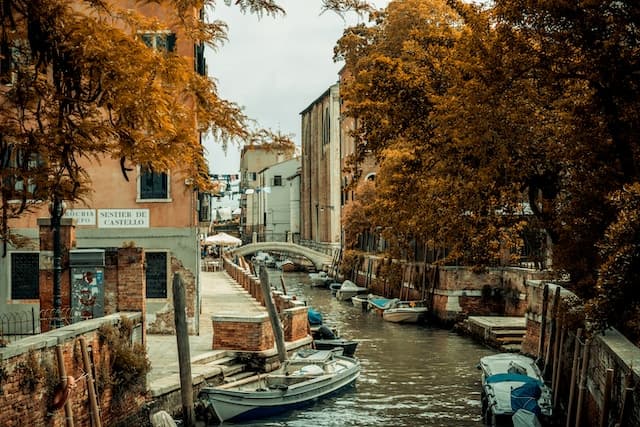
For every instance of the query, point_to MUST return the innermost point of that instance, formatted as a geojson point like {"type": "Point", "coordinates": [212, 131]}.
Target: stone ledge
{"type": "Point", "coordinates": [259, 318]}
{"type": "Point", "coordinates": [61, 335]}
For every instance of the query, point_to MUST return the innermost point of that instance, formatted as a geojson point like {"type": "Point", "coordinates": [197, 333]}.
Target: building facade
{"type": "Point", "coordinates": [275, 204]}
{"type": "Point", "coordinates": [155, 211]}
{"type": "Point", "coordinates": [253, 160]}
{"type": "Point", "coordinates": [320, 179]}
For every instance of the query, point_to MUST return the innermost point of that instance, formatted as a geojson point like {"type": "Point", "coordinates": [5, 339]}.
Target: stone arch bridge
{"type": "Point", "coordinates": [320, 260]}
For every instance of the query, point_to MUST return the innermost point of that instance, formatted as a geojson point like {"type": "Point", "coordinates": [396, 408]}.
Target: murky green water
{"type": "Point", "coordinates": [412, 375]}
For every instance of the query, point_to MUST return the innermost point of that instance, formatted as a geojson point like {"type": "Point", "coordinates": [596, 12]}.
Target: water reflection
{"type": "Point", "coordinates": [412, 375]}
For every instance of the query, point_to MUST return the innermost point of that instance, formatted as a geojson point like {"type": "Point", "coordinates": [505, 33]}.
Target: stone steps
{"type": "Point", "coordinates": [504, 333]}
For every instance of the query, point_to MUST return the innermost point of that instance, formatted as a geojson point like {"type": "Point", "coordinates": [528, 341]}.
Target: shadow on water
{"type": "Point", "coordinates": [412, 375]}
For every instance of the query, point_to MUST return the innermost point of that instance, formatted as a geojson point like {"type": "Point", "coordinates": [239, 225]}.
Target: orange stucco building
{"type": "Point", "coordinates": [158, 212]}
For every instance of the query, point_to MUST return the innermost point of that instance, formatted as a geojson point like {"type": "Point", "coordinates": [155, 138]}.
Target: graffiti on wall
{"type": "Point", "coordinates": [87, 294]}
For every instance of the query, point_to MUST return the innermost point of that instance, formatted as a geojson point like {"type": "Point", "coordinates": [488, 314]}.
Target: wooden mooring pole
{"type": "Point", "coordinates": [543, 323]}
{"type": "Point", "coordinates": [184, 355]}
{"type": "Point", "coordinates": [62, 373]}
{"type": "Point", "coordinates": [583, 381]}
{"type": "Point", "coordinates": [606, 404]}
{"type": "Point", "coordinates": [273, 314]}
{"type": "Point", "coordinates": [574, 369]}
{"type": "Point", "coordinates": [96, 420]}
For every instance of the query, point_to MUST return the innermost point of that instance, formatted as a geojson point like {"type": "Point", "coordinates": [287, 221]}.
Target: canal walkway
{"type": "Point", "coordinates": [220, 294]}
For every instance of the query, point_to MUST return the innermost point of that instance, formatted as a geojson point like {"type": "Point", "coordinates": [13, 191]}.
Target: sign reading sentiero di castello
{"type": "Point", "coordinates": [123, 218]}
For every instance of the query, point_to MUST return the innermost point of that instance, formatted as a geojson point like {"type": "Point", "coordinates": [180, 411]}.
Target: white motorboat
{"type": "Point", "coordinates": [512, 387]}
{"type": "Point", "coordinates": [380, 304]}
{"type": "Point", "coordinates": [405, 312]}
{"type": "Point", "coordinates": [349, 289]}
{"type": "Point", "coordinates": [308, 375]}
{"type": "Point", "coordinates": [360, 301]}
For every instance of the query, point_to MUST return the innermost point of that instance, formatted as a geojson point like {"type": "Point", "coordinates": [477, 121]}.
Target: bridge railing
{"type": "Point", "coordinates": [271, 237]}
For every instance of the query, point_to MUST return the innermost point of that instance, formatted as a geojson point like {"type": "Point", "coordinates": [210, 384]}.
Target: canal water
{"type": "Point", "coordinates": [412, 375]}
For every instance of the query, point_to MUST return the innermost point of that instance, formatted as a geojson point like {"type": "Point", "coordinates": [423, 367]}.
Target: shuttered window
{"type": "Point", "coordinates": [25, 269]}
{"type": "Point", "coordinates": [153, 185]}
{"type": "Point", "coordinates": [156, 274]}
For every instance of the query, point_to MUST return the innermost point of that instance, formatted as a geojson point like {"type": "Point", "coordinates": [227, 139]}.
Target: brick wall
{"type": "Point", "coordinates": [256, 333]}
{"type": "Point", "coordinates": [242, 333]}
{"type": "Point", "coordinates": [295, 322]}
{"type": "Point", "coordinates": [164, 322]}
{"type": "Point", "coordinates": [111, 281]}
{"type": "Point", "coordinates": [131, 287]}
{"type": "Point", "coordinates": [19, 406]}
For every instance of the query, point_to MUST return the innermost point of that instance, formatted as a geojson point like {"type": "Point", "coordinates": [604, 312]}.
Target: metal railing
{"type": "Point", "coordinates": [20, 324]}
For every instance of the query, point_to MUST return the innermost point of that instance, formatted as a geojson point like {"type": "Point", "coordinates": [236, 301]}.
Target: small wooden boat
{"type": "Point", "coordinates": [349, 289]}
{"type": "Point", "coordinates": [287, 265]}
{"type": "Point", "coordinates": [307, 376]}
{"type": "Point", "coordinates": [405, 312]}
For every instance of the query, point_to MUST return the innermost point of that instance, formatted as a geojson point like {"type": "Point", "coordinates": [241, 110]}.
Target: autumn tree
{"type": "Point", "coordinates": [81, 82]}
{"type": "Point", "coordinates": [583, 57]}
{"type": "Point", "coordinates": [402, 69]}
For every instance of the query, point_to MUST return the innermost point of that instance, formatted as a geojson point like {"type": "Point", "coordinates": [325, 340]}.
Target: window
{"type": "Point", "coordinates": [253, 175]}
{"type": "Point", "coordinates": [162, 41]}
{"type": "Point", "coordinates": [14, 56]}
{"type": "Point", "coordinates": [204, 203]}
{"type": "Point", "coordinates": [18, 172]}
{"type": "Point", "coordinates": [326, 127]}
{"type": "Point", "coordinates": [156, 274]}
{"type": "Point", "coordinates": [277, 181]}
{"type": "Point", "coordinates": [200, 62]}
{"type": "Point", "coordinates": [25, 271]}
{"type": "Point", "coordinates": [153, 185]}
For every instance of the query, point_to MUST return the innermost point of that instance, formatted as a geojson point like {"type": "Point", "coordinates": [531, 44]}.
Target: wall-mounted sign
{"type": "Point", "coordinates": [123, 218]}
{"type": "Point", "coordinates": [82, 216]}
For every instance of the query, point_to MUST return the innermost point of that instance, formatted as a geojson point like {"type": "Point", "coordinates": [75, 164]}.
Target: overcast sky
{"type": "Point", "coordinates": [274, 67]}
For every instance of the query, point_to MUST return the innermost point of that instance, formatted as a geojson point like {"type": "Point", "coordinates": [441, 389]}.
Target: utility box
{"type": "Point", "coordinates": [87, 283]}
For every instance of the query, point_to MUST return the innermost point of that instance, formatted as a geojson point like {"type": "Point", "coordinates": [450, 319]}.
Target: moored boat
{"type": "Point", "coordinates": [361, 301]}
{"type": "Point", "coordinates": [287, 265]}
{"type": "Point", "coordinates": [308, 375]}
{"type": "Point", "coordinates": [405, 312]}
{"type": "Point", "coordinates": [348, 346]}
{"type": "Point", "coordinates": [512, 384]}
{"type": "Point", "coordinates": [334, 287]}
{"type": "Point", "coordinates": [380, 304]}
{"type": "Point", "coordinates": [320, 278]}
{"type": "Point", "coordinates": [349, 289]}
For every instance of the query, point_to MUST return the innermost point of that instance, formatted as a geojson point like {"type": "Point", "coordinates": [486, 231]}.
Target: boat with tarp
{"type": "Point", "coordinates": [307, 376]}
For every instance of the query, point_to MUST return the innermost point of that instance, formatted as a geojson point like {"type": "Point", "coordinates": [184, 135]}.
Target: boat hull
{"type": "Point", "coordinates": [261, 402]}
{"type": "Point", "coordinates": [401, 315]}
{"type": "Point", "coordinates": [361, 302]}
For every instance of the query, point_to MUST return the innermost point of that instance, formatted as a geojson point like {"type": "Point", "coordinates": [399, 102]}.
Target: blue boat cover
{"type": "Point", "coordinates": [497, 378]}
{"type": "Point", "coordinates": [526, 397]}
{"type": "Point", "coordinates": [315, 318]}
{"type": "Point", "coordinates": [380, 302]}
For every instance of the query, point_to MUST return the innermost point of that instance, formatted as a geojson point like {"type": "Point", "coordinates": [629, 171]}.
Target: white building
{"type": "Point", "coordinates": [277, 204]}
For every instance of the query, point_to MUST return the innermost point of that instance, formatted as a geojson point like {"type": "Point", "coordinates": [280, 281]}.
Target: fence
{"type": "Point", "coordinates": [21, 324]}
